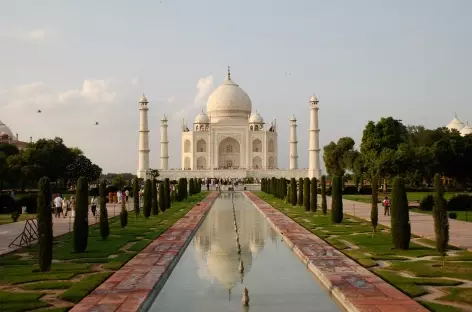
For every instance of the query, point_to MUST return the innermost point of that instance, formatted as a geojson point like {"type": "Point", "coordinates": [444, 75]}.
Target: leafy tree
{"type": "Point", "coordinates": [374, 211]}
{"type": "Point", "coordinates": [155, 206]}
{"type": "Point", "coordinates": [336, 156]}
{"type": "Point", "coordinates": [45, 232]}
{"type": "Point", "coordinates": [337, 200]}
{"type": "Point", "coordinates": [81, 215]}
{"type": "Point", "coordinates": [324, 205]}
{"type": "Point", "coordinates": [300, 192]}
{"type": "Point", "coordinates": [400, 219]}
{"type": "Point", "coordinates": [6, 172]}
{"type": "Point", "coordinates": [104, 226]}
{"type": "Point", "coordinates": [136, 196]}
{"type": "Point", "coordinates": [314, 194]}
{"type": "Point", "coordinates": [306, 194]}
{"type": "Point", "coordinates": [441, 220]}
{"type": "Point", "coordinates": [293, 190]}
{"type": "Point", "coordinates": [119, 181]}
{"type": "Point", "coordinates": [162, 197]}
{"type": "Point", "coordinates": [153, 173]}
{"type": "Point", "coordinates": [147, 199]}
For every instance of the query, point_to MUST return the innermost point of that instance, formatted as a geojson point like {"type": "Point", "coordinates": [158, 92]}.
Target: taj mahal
{"type": "Point", "coordinates": [230, 140]}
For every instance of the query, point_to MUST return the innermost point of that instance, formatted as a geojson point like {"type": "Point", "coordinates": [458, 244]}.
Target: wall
{"type": "Point", "coordinates": [287, 173]}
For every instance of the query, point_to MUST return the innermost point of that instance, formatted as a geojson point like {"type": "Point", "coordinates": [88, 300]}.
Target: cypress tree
{"type": "Point", "coordinates": [162, 197]}
{"type": "Point", "coordinates": [337, 200]}
{"type": "Point", "coordinates": [293, 190]}
{"type": "Point", "coordinates": [185, 188]}
{"type": "Point", "coordinates": [306, 194]}
{"type": "Point", "coordinates": [154, 204]}
{"type": "Point", "coordinates": [274, 187]}
{"type": "Point", "coordinates": [136, 196]}
{"type": "Point", "coordinates": [284, 188]}
{"type": "Point", "coordinates": [374, 211]}
{"type": "Point", "coordinates": [123, 214]}
{"type": "Point", "coordinates": [300, 191]}
{"type": "Point", "coordinates": [181, 190]}
{"type": "Point", "coordinates": [167, 193]}
{"type": "Point", "coordinates": [81, 215]}
{"type": "Point", "coordinates": [441, 220]}
{"type": "Point", "coordinates": [104, 226]}
{"type": "Point", "coordinates": [191, 187]}
{"type": "Point", "coordinates": [400, 217]}
{"type": "Point", "coordinates": [147, 198]}
{"type": "Point", "coordinates": [313, 194]}
{"type": "Point", "coordinates": [45, 233]}
{"type": "Point", "coordinates": [324, 205]}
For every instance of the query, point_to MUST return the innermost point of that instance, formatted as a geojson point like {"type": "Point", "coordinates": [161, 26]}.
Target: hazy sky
{"type": "Point", "coordinates": [86, 61]}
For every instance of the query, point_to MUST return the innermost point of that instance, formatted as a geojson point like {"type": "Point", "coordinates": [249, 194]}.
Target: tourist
{"type": "Point", "coordinates": [208, 186]}
{"type": "Point", "coordinates": [65, 206]}
{"type": "Point", "coordinates": [127, 195]}
{"type": "Point", "coordinates": [58, 205]}
{"type": "Point", "coordinates": [386, 204]}
{"type": "Point", "coordinates": [93, 204]}
{"type": "Point", "coordinates": [72, 206]}
{"type": "Point", "coordinates": [119, 195]}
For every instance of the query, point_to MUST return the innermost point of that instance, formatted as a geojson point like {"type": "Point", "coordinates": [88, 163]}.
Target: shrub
{"type": "Point", "coordinates": [104, 226]}
{"type": "Point", "coordinates": [167, 193]}
{"type": "Point", "coordinates": [162, 197]}
{"type": "Point", "coordinates": [350, 190]}
{"type": "Point", "coordinates": [154, 205]}
{"type": "Point", "coordinates": [29, 201]}
{"type": "Point", "coordinates": [324, 205]}
{"type": "Point", "coordinates": [313, 195]}
{"type": "Point", "coordinates": [374, 210]}
{"type": "Point", "coordinates": [460, 202]}
{"type": "Point", "coordinates": [300, 192]}
{"type": "Point", "coordinates": [147, 198]}
{"type": "Point", "coordinates": [337, 200]}
{"type": "Point", "coordinates": [306, 193]}
{"type": "Point", "coordinates": [7, 204]}
{"type": "Point", "coordinates": [293, 190]}
{"type": "Point", "coordinates": [81, 215]}
{"type": "Point", "coordinates": [441, 221]}
{"type": "Point", "coordinates": [400, 218]}
{"type": "Point", "coordinates": [452, 215]}
{"type": "Point", "coordinates": [427, 203]}
{"type": "Point", "coordinates": [136, 195]}
{"type": "Point", "coordinates": [45, 224]}
{"type": "Point", "coordinates": [366, 190]}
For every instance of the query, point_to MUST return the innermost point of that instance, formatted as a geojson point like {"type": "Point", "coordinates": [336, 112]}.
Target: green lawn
{"type": "Point", "coordinates": [74, 275]}
{"type": "Point", "coordinates": [412, 196]}
{"type": "Point", "coordinates": [461, 215]}
{"type": "Point", "coordinates": [374, 249]}
{"type": "Point", "coordinates": [6, 218]}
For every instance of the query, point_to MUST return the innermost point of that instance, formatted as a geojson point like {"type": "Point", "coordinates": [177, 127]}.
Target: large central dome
{"type": "Point", "coordinates": [229, 100]}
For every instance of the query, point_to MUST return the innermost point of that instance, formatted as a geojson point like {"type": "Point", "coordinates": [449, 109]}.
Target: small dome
{"type": "Point", "coordinates": [143, 99]}
{"type": "Point", "coordinates": [314, 98]}
{"type": "Point", "coordinates": [455, 124]}
{"type": "Point", "coordinates": [202, 118]}
{"type": "Point", "coordinates": [5, 130]}
{"type": "Point", "coordinates": [293, 118]}
{"type": "Point", "coordinates": [466, 130]}
{"type": "Point", "coordinates": [256, 118]}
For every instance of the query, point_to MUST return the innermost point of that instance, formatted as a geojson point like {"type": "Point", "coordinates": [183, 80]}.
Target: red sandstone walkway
{"type": "Point", "coordinates": [460, 232]}
{"type": "Point", "coordinates": [355, 287]}
{"type": "Point", "coordinates": [127, 288]}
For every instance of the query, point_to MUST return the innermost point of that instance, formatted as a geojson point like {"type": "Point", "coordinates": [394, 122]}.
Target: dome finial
{"type": "Point", "coordinates": [228, 75]}
{"type": "Point", "coordinates": [455, 115]}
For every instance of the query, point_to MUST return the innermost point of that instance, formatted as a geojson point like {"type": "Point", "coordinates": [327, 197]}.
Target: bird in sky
{"type": "Point", "coordinates": [96, 123]}
{"type": "Point", "coordinates": [38, 111]}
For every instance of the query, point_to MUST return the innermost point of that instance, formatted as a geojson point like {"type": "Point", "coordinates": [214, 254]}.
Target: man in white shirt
{"type": "Point", "coordinates": [58, 205]}
{"type": "Point", "coordinates": [127, 195]}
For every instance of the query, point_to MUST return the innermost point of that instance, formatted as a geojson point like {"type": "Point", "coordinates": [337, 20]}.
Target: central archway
{"type": "Point", "coordinates": [229, 154]}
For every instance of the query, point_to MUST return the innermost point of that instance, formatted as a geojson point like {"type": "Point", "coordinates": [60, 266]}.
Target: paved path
{"type": "Point", "coordinates": [8, 232]}
{"type": "Point", "coordinates": [355, 288]}
{"type": "Point", "coordinates": [460, 232]}
{"type": "Point", "coordinates": [127, 289]}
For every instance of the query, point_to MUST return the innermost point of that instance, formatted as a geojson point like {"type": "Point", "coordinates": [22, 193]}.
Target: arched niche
{"type": "Point", "coordinates": [257, 146]}
{"type": "Point", "coordinates": [187, 146]}
{"type": "Point", "coordinates": [201, 146]}
{"type": "Point", "coordinates": [229, 153]}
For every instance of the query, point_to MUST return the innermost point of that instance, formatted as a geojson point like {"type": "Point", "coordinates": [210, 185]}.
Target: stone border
{"type": "Point", "coordinates": [354, 287]}
{"type": "Point", "coordinates": [132, 287]}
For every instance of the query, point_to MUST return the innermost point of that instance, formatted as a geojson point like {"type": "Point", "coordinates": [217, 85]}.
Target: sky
{"type": "Point", "coordinates": [85, 61]}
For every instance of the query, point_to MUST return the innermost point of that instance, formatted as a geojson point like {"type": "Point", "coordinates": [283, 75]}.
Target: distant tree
{"type": "Point", "coordinates": [104, 226]}
{"type": "Point", "coordinates": [45, 232]}
{"type": "Point", "coordinates": [313, 194]}
{"type": "Point", "coordinates": [336, 156]}
{"type": "Point", "coordinates": [441, 220]}
{"type": "Point", "coordinates": [154, 204]}
{"type": "Point", "coordinates": [147, 199]}
{"type": "Point", "coordinates": [306, 194]}
{"type": "Point", "coordinates": [324, 205]}
{"type": "Point", "coordinates": [293, 190]}
{"type": "Point", "coordinates": [374, 211]}
{"type": "Point", "coordinates": [400, 219]}
{"type": "Point", "coordinates": [119, 181]}
{"type": "Point", "coordinates": [300, 192]}
{"type": "Point", "coordinates": [337, 200]}
{"type": "Point", "coordinates": [81, 215]}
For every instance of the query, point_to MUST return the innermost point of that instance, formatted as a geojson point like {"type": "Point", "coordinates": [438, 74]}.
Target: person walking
{"type": "Point", "coordinates": [127, 195]}
{"type": "Point", "coordinates": [93, 205]}
{"type": "Point", "coordinates": [72, 206]}
{"type": "Point", "coordinates": [386, 204]}
{"type": "Point", "coordinates": [65, 206]}
{"type": "Point", "coordinates": [58, 205]}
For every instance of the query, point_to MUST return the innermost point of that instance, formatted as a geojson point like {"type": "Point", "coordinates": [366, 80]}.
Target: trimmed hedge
{"type": "Point", "coordinates": [460, 202]}
{"type": "Point", "coordinates": [400, 218]}
{"type": "Point", "coordinates": [427, 203]}
{"type": "Point", "coordinates": [337, 200]}
{"type": "Point", "coordinates": [45, 224]}
{"type": "Point", "coordinates": [81, 227]}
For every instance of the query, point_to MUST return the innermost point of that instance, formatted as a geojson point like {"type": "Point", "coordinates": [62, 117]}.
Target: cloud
{"type": "Point", "coordinates": [204, 88]}
{"type": "Point", "coordinates": [37, 34]}
{"type": "Point", "coordinates": [135, 81]}
{"type": "Point", "coordinates": [34, 35]}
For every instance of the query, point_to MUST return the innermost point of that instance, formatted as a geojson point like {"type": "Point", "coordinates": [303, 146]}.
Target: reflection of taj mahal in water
{"type": "Point", "coordinates": [218, 247]}
{"type": "Point", "coordinates": [230, 140]}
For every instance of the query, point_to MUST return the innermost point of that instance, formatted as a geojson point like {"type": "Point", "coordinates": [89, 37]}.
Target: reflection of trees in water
{"type": "Point", "coordinates": [215, 241]}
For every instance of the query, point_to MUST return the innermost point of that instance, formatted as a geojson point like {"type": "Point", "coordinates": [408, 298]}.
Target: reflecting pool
{"type": "Point", "coordinates": [207, 277]}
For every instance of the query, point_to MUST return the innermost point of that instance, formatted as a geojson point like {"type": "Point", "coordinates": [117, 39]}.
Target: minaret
{"type": "Point", "coordinates": [293, 144]}
{"type": "Point", "coordinates": [143, 151]}
{"type": "Point", "coordinates": [314, 150]}
{"type": "Point", "coordinates": [164, 145]}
